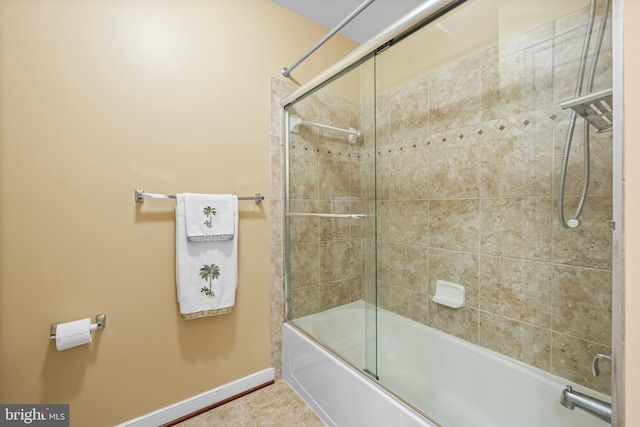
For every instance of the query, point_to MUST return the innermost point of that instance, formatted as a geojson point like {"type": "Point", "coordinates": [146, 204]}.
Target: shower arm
{"type": "Point", "coordinates": [286, 71]}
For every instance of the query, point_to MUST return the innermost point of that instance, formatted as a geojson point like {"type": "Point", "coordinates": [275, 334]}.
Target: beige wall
{"type": "Point", "coordinates": [632, 209]}
{"type": "Point", "coordinates": [98, 99]}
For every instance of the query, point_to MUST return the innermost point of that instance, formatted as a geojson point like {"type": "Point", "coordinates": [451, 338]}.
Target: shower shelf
{"type": "Point", "coordinates": [596, 108]}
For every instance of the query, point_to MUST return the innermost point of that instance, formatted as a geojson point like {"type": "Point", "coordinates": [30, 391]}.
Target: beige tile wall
{"type": "Point", "coordinates": [278, 89]}
{"type": "Point", "coordinates": [325, 177]}
{"type": "Point", "coordinates": [467, 163]}
{"type": "Point", "coordinates": [468, 187]}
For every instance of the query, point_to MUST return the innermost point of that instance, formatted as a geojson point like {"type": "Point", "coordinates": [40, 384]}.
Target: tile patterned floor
{"type": "Point", "coordinates": [271, 406]}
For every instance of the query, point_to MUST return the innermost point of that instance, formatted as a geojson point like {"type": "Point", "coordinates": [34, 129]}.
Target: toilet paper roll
{"type": "Point", "coordinates": [73, 334]}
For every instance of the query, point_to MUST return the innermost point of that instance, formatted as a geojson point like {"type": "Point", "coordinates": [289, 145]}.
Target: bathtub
{"type": "Point", "coordinates": [456, 383]}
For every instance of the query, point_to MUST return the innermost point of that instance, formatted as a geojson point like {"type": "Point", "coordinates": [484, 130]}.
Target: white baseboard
{"type": "Point", "coordinates": [195, 403]}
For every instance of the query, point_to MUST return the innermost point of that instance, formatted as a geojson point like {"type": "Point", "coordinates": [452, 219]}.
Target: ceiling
{"type": "Point", "coordinates": [329, 13]}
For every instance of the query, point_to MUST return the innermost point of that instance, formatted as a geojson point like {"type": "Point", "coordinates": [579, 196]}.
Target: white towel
{"type": "Point", "coordinates": [210, 216]}
{"type": "Point", "coordinates": [206, 272]}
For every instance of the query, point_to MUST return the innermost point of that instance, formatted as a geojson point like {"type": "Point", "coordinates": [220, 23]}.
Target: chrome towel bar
{"type": "Point", "coordinates": [140, 195]}
{"type": "Point", "coordinates": [325, 215]}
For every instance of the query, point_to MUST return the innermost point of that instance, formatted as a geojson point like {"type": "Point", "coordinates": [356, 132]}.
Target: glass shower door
{"type": "Point", "coordinates": [440, 158]}
{"type": "Point", "coordinates": [471, 133]}
{"type": "Point", "coordinates": [330, 219]}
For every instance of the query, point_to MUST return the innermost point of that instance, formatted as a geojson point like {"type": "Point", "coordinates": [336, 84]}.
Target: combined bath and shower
{"type": "Point", "coordinates": [588, 107]}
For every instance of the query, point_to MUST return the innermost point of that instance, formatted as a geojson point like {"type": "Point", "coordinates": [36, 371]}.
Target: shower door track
{"type": "Point", "coordinates": [414, 20]}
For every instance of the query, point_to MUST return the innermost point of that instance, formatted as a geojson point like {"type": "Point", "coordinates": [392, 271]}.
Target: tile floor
{"type": "Point", "coordinates": [271, 406]}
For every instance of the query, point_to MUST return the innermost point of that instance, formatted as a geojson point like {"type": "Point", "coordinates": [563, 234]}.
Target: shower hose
{"type": "Point", "coordinates": [575, 221]}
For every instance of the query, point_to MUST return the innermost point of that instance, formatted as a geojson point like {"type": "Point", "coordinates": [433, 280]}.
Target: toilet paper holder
{"type": "Point", "coordinates": [101, 321]}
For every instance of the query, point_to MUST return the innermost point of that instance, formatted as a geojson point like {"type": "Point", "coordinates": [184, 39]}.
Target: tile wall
{"type": "Point", "coordinates": [466, 167]}
{"type": "Point", "coordinates": [278, 89]}
{"type": "Point", "coordinates": [326, 253]}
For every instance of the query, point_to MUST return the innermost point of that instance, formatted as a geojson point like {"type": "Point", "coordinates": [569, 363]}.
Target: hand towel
{"type": "Point", "coordinates": [210, 216]}
{"type": "Point", "coordinates": [206, 272]}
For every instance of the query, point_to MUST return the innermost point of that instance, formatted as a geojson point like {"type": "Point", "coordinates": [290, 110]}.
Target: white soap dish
{"type": "Point", "coordinates": [449, 294]}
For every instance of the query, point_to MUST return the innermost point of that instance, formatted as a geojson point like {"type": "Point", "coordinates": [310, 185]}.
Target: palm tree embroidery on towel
{"type": "Point", "coordinates": [208, 211]}
{"type": "Point", "coordinates": [209, 273]}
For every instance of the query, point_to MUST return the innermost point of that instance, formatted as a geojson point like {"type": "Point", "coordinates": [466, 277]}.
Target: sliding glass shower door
{"type": "Point", "coordinates": [448, 156]}
{"type": "Point", "coordinates": [472, 124]}
{"type": "Point", "coordinates": [330, 215]}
